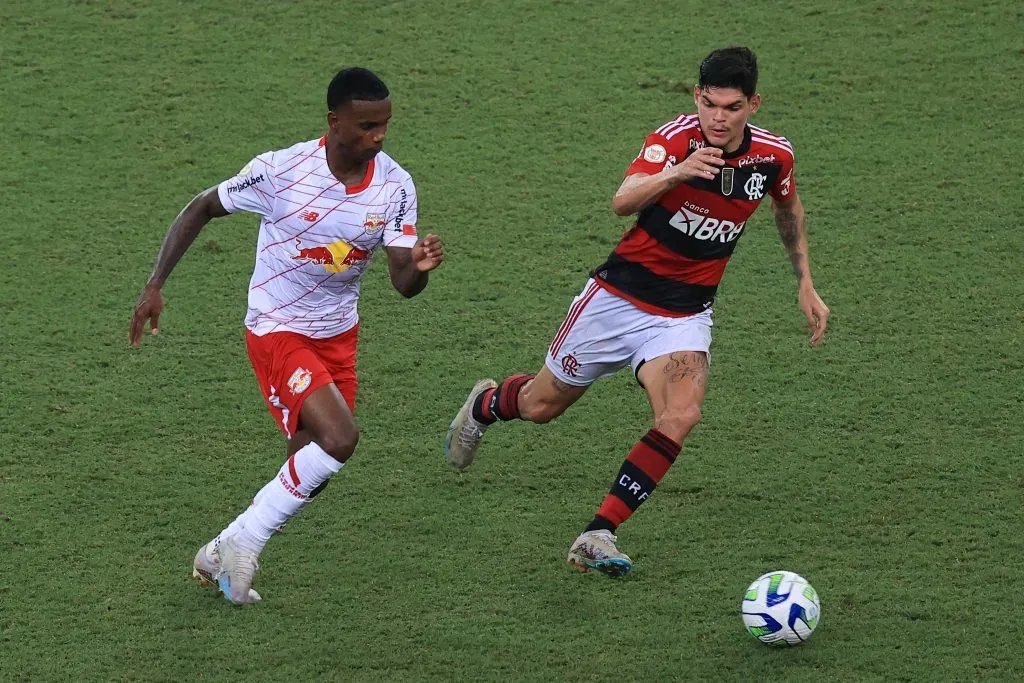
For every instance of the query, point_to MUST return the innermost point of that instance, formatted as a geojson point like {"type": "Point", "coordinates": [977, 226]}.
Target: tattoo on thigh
{"type": "Point", "coordinates": [687, 366]}
{"type": "Point", "coordinates": [560, 386]}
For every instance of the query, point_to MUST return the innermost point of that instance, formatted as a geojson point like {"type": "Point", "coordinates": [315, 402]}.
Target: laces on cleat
{"type": "Point", "coordinates": [470, 434]}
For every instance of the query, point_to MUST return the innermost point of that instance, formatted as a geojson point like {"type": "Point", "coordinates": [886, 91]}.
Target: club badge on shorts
{"type": "Point", "coordinates": [570, 365]}
{"type": "Point", "coordinates": [300, 380]}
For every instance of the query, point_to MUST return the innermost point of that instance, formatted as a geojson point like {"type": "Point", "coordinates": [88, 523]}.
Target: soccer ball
{"type": "Point", "coordinates": [781, 608]}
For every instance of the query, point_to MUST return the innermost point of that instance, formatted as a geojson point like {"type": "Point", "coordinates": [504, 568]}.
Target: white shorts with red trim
{"type": "Point", "coordinates": [604, 333]}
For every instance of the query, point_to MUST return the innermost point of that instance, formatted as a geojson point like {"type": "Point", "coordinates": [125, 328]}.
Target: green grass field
{"type": "Point", "coordinates": [887, 466]}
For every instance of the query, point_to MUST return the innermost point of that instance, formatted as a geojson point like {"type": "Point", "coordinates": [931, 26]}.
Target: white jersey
{"type": "Point", "coordinates": [317, 235]}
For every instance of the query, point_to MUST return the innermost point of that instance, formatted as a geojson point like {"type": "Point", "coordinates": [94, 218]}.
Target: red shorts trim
{"type": "Point", "coordinates": [289, 367]}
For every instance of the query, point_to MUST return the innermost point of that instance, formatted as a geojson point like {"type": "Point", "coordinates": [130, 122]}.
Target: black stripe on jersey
{"type": "Point", "coordinates": [638, 282]}
{"type": "Point", "coordinates": [655, 219]}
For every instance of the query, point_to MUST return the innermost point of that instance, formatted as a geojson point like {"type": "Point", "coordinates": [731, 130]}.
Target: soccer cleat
{"type": "Point", "coordinates": [596, 550]}
{"type": "Point", "coordinates": [206, 569]}
{"type": "Point", "coordinates": [465, 433]}
{"type": "Point", "coordinates": [206, 566]}
{"type": "Point", "coordinates": [237, 567]}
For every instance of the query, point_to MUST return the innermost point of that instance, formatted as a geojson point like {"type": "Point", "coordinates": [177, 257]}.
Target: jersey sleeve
{"type": "Point", "coordinates": [251, 189]}
{"type": "Point", "coordinates": [784, 188]}
{"type": "Point", "coordinates": [654, 156]}
{"type": "Point", "coordinates": [400, 225]}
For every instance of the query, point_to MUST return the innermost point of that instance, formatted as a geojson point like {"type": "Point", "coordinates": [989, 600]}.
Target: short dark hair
{"type": "Point", "coordinates": [730, 67]}
{"type": "Point", "coordinates": [355, 83]}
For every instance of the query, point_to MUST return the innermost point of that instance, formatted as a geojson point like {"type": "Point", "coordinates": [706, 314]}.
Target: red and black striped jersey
{"type": "Point", "coordinates": [672, 259]}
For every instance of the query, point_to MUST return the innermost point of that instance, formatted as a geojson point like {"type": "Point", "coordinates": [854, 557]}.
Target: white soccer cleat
{"type": "Point", "coordinates": [237, 567]}
{"type": "Point", "coordinates": [596, 550]}
{"type": "Point", "coordinates": [465, 433]}
{"type": "Point", "coordinates": [206, 566]}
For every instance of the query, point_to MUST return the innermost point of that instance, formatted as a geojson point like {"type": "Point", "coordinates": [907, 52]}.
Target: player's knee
{"type": "Point", "coordinates": [340, 443]}
{"type": "Point", "coordinates": [676, 423]}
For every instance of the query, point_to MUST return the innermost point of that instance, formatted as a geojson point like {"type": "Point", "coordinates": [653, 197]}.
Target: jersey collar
{"type": "Point", "coordinates": [367, 179]}
{"type": "Point", "coordinates": [365, 182]}
{"type": "Point", "coordinates": [744, 146]}
{"type": "Point", "coordinates": [740, 151]}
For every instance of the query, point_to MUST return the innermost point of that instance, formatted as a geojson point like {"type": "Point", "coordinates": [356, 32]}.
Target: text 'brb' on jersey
{"type": "Point", "coordinates": [317, 236]}
{"type": "Point", "coordinates": [671, 261]}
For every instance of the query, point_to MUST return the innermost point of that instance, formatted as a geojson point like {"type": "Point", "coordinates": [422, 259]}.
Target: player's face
{"type": "Point", "coordinates": [360, 126]}
{"type": "Point", "coordinates": [723, 114]}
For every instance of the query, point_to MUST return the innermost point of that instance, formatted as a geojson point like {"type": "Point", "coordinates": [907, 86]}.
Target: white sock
{"type": "Point", "coordinates": [282, 497]}
{"type": "Point", "coordinates": [239, 521]}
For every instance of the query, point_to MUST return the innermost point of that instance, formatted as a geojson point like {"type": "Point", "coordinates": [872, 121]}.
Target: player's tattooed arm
{"type": "Point", "coordinates": [791, 223]}
{"type": "Point", "coordinates": [789, 219]}
{"type": "Point", "coordinates": [640, 190]}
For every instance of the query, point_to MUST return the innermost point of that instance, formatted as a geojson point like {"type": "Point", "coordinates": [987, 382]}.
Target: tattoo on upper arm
{"type": "Point", "coordinates": [689, 366]}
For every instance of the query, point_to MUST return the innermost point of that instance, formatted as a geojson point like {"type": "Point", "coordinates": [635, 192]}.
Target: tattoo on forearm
{"type": "Point", "coordinates": [689, 366]}
{"type": "Point", "coordinates": [788, 224]}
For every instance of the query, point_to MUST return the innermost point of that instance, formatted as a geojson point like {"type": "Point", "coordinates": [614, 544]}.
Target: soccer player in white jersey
{"type": "Point", "coordinates": [326, 207]}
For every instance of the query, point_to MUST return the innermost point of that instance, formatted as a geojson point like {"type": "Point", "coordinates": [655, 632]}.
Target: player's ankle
{"type": "Point", "coordinates": [480, 411]}
{"type": "Point", "coordinates": [599, 523]}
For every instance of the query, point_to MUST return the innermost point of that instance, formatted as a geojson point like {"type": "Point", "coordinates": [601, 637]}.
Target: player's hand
{"type": "Point", "coordinates": [815, 311]}
{"type": "Point", "coordinates": [148, 307]}
{"type": "Point", "coordinates": [428, 253]}
{"type": "Point", "coordinates": [705, 163]}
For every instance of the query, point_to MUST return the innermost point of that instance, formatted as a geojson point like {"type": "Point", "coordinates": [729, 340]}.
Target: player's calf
{"type": "Point", "coordinates": [644, 467]}
{"type": "Point", "coordinates": [540, 411]}
{"type": "Point", "coordinates": [546, 397]}
{"type": "Point", "coordinates": [676, 423]}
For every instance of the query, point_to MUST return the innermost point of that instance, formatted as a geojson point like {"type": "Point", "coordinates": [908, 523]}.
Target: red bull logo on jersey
{"type": "Point", "coordinates": [336, 257]}
{"type": "Point", "coordinates": [704, 227]}
{"type": "Point", "coordinates": [374, 222]}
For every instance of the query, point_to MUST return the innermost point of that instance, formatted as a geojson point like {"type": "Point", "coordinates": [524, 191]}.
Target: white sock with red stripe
{"type": "Point", "coordinates": [282, 497]}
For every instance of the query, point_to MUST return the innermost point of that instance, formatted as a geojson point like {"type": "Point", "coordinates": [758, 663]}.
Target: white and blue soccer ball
{"type": "Point", "coordinates": [781, 608]}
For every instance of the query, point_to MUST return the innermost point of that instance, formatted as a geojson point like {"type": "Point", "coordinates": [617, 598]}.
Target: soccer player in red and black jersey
{"type": "Point", "coordinates": [696, 181]}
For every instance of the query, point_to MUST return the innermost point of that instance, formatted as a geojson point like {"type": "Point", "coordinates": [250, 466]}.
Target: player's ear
{"type": "Point", "coordinates": [332, 121]}
{"type": "Point", "coordinates": [696, 94]}
{"type": "Point", "coordinates": [755, 103]}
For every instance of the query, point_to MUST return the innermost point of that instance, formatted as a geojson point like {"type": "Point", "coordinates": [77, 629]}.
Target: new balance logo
{"type": "Point", "coordinates": [705, 228]}
{"type": "Point", "coordinates": [309, 216]}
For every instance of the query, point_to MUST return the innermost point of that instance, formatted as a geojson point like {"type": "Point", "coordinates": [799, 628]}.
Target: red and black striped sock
{"type": "Point", "coordinates": [644, 467]}
{"type": "Point", "coordinates": [501, 402]}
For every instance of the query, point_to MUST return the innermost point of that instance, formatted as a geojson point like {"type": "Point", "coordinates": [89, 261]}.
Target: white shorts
{"type": "Point", "coordinates": [604, 333]}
